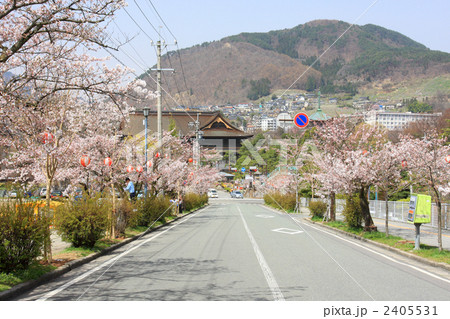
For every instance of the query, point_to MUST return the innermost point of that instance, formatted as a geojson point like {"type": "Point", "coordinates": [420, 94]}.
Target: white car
{"type": "Point", "coordinates": [212, 193]}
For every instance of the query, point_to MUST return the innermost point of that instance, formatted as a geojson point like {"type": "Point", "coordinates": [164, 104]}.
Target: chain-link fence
{"type": "Point", "coordinates": [398, 211]}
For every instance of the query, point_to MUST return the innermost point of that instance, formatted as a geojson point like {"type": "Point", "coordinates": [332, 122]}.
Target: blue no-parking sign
{"type": "Point", "coordinates": [243, 169]}
{"type": "Point", "coordinates": [301, 120]}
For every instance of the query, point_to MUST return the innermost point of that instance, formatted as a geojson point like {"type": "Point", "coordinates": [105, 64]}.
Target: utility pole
{"type": "Point", "coordinates": [159, 91]}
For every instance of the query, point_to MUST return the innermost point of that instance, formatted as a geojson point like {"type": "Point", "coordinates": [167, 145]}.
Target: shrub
{"type": "Point", "coordinates": [352, 211]}
{"type": "Point", "coordinates": [193, 201]}
{"type": "Point", "coordinates": [281, 201]}
{"type": "Point", "coordinates": [22, 234]}
{"type": "Point", "coordinates": [317, 208]}
{"type": "Point", "coordinates": [83, 222]}
{"type": "Point", "coordinates": [151, 209]}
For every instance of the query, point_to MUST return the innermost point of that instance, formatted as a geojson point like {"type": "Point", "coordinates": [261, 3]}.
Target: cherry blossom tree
{"type": "Point", "coordinates": [426, 162]}
{"type": "Point", "coordinates": [387, 165]}
{"type": "Point", "coordinates": [348, 147]}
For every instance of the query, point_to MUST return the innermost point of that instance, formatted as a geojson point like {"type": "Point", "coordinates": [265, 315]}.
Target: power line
{"type": "Point", "coordinates": [138, 24]}
{"type": "Point", "coordinates": [178, 51]}
{"type": "Point", "coordinates": [162, 20]}
{"type": "Point", "coordinates": [145, 16]}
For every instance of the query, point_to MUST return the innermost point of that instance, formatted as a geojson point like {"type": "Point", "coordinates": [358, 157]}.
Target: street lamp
{"type": "Point", "coordinates": [146, 111]}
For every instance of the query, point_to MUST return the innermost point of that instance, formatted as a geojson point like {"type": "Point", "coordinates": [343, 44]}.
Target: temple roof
{"type": "Point", "coordinates": [212, 124]}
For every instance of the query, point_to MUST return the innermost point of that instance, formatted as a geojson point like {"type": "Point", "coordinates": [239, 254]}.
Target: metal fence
{"type": "Point", "coordinates": [398, 211]}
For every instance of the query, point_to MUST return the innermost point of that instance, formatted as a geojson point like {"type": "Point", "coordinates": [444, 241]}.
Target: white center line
{"type": "Point", "coordinates": [273, 285]}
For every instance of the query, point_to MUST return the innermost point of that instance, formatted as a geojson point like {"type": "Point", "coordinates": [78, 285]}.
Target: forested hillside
{"type": "Point", "coordinates": [228, 71]}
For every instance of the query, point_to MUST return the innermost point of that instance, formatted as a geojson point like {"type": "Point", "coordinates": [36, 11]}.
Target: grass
{"type": "Point", "coordinates": [428, 252]}
{"type": "Point", "coordinates": [36, 270]}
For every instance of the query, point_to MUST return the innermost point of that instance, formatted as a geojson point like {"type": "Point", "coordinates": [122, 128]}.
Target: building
{"type": "Point", "coordinates": [285, 121]}
{"type": "Point", "coordinates": [397, 121]}
{"type": "Point", "coordinates": [268, 124]}
{"type": "Point", "coordinates": [217, 132]}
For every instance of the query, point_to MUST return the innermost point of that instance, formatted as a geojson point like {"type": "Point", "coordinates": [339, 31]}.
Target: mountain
{"type": "Point", "coordinates": [230, 70]}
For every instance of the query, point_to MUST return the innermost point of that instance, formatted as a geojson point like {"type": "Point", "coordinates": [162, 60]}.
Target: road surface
{"type": "Point", "coordinates": [237, 249]}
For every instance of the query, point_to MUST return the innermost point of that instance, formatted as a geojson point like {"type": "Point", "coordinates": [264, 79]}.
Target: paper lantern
{"type": "Point", "coordinates": [47, 138]}
{"type": "Point", "coordinates": [130, 168]}
{"type": "Point", "coordinates": [404, 163]}
{"type": "Point", "coordinates": [139, 169]}
{"type": "Point", "coordinates": [157, 154]}
{"type": "Point", "coordinates": [190, 160]}
{"type": "Point", "coordinates": [108, 161]}
{"type": "Point", "coordinates": [447, 159]}
{"type": "Point", "coordinates": [149, 164]}
{"type": "Point", "coordinates": [85, 160]}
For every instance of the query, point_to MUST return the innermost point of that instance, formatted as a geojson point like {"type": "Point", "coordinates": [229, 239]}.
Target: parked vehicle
{"type": "Point", "coordinates": [43, 192]}
{"type": "Point", "coordinates": [56, 194]}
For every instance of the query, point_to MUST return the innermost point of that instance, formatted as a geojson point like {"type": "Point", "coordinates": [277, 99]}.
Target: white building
{"type": "Point", "coordinates": [284, 120]}
{"type": "Point", "coordinates": [397, 121]}
{"type": "Point", "coordinates": [268, 124]}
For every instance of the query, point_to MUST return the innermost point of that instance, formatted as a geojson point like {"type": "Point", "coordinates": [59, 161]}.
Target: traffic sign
{"type": "Point", "coordinates": [301, 120]}
{"type": "Point", "coordinates": [243, 169]}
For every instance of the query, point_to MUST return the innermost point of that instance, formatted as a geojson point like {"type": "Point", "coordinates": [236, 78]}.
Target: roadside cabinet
{"type": "Point", "coordinates": [419, 209]}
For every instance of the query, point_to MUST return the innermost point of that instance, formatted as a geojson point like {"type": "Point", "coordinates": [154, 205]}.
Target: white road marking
{"type": "Point", "coordinates": [382, 255]}
{"type": "Point", "coordinates": [288, 231]}
{"type": "Point", "coordinates": [111, 261]}
{"type": "Point", "coordinates": [270, 278]}
{"type": "Point", "coordinates": [265, 216]}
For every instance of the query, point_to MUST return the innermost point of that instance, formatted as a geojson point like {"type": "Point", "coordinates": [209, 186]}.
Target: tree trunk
{"type": "Point", "coordinates": [333, 206]}
{"type": "Point", "coordinates": [439, 205]}
{"type": "Point", "coordinates": [48, 240]}
{"type": "Point", "coordinates": [113, 212]}
{"type": "Point", "coordinates": [364, 203]}
{"type": "Point", "coordinates": [387, 216]}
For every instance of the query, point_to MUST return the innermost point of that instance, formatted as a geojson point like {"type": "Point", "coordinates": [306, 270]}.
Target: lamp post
{"type": "Point", "coordinates": [146, 111]}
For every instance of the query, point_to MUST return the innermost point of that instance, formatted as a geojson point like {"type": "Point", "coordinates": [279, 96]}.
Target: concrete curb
{"type": "Point", "coordinates": [387, 247]}
{"type": "Point", "coordinates": [19, 289]}
{"type": "Point", "coordinates": [384, 246]}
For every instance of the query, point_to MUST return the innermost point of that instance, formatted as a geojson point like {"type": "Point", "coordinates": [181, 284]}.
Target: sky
{"type": "Point", "coordinates": [192, 22]}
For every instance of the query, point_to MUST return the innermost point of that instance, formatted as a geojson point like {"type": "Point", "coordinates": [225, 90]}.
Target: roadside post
{"type": "Point", "coordinates": [419, 213]}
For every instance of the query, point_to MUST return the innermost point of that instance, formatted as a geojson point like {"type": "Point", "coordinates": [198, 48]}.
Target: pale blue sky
{"type": "Point", "coordinates": [197, 21]}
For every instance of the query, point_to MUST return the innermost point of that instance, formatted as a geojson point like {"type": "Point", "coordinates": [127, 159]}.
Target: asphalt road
{"type": "Point", "coordinates": [239, 250]}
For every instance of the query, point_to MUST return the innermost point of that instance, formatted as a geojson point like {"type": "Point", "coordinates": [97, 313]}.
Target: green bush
{"type": "Point", "coordinates": [281, 201]}
{"type": "Point", "coordinates": [317, 208]}
{"type": "Point", "coordinates": [82, 222]}
{"type": "Point", "coordinates": [352, 212]}
{"type": "Point", "coordinates": [193, 201]}
{"type": "Point", "coordinates": [151, 208]}
{"type": "Point", "coordinates": [22, 234]}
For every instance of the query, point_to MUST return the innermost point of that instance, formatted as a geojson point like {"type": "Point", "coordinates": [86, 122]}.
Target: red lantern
{"type": "Point", "coordinates": [108, 161]}
{"type": "Point", "coordinates": [190, 160]}
{"type": "Point", "coordinates": [85, 160]}
{"type": "Point", "coordinates": [404, 163]}
{"type": "Point", "coordinates": [149, 164]}
{"type": "Point", "coordinates": [447, 159]}
{"type": "Point", "coordinates": [130, 168]}
{"type": "Point", "coordinates": [47, 138]}
{"type": "Point", "coordinates": [364, 152]}
{"type": "Point", "coordinates": [139, 169]}
{"type": "Point", "coordinates": [157, 154]}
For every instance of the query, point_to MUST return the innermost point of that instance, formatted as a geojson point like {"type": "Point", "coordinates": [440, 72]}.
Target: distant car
{"type": "Point", "coordinates": [56, 194]}
{"type": "Point", "coordinates": [43, 192]}
{"type": "Point", "coordinates": [12, 194]}
{"type": "Point", "coordinates": [236, 194]}
{"type": "Point", "coordinates": [212, 193]}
